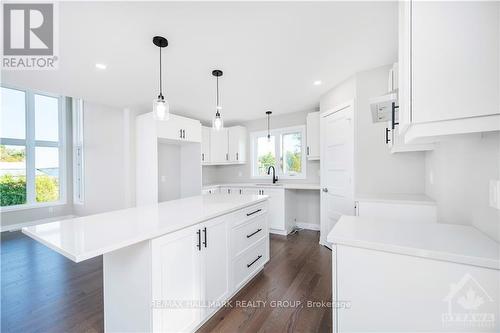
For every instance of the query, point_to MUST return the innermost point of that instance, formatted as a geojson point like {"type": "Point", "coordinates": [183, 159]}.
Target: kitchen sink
{"type": "Point", "coordinates": [269, 184]}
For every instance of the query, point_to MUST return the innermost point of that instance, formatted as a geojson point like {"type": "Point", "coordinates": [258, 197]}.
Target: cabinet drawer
{"type": "Point", "coordinates": [249, 262]}
{"type": "Point", "coordinates": [248, 233]}
{"type": "Point", "coordinates": [248, 213]}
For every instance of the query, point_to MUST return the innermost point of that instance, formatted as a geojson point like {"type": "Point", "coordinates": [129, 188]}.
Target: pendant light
{"type": "Point", "coordinates": [161, 109]}
{"type": "Point", "coordinates": [217, 122]}
{"type": "Point", "coordinates": [268, 113]}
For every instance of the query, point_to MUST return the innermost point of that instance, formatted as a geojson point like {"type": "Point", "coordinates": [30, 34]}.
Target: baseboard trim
{"type": "Point", "coordinates": [19, 226]}
{"type": "Point", "coordinates": [278, 232]}
{"type": "Point", "coordinates": [307, 226]}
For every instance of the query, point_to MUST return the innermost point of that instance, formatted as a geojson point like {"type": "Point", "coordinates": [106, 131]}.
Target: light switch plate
{"type": "Point", "coordinates": [495, 193]}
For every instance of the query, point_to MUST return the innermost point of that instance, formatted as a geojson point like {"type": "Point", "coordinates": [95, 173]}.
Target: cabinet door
{"type": "Point", "coordinates": [179, 128]}
{"type": "Point", "coordinates": [455, 68]}
{"type": "Point", "coordinates": [170, 129]}
{"type": "Point", "coordinates": [215, 250]}
{"type": "Point", "coordinates": [250, 190]}
{"type": "Point", "coordinates": [176, 276]}
{"type": "Point", "coordinates": [237, 142]}
{"type": "Point", "coordinates": [276, 207]}
{"type": "Point", "coordinates": [404, 68]}
{"type": "Point", "coordinates": [205, 144]}
{"type": "Point", "coordinates": [191, 130]}
{"type": "Point", "coordinates": [219, 146]}
{"type": "Point", "coordinates": [313, 136]}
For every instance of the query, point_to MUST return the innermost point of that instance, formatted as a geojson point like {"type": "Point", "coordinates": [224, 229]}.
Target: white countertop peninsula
{"type": "Point", "coordinates": [86, 237]}
{"type": "Point", "coordinates": [439, 241]}
{"type": "Point", "coordinates": [201, 249]}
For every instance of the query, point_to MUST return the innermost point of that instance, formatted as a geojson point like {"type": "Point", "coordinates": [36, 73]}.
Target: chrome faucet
{"type": "Point", "coordinates": [275, 179]}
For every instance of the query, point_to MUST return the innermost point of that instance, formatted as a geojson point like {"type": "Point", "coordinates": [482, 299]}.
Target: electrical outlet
{"type": "Point", "coordinates": [431, 177]}
{"type": "Point", "coordinates": [163, 179]}
{"type": "Point", "coordinates": [495, 193]}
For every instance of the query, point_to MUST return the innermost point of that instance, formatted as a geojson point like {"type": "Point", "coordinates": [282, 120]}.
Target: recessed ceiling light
{"type": "Point", "coordinates": [317, 82]}
{"type": "Point", "coordinates": [100, 66]}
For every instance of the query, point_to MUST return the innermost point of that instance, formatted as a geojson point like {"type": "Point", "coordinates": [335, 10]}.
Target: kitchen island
{"type": "Point", "coordinates": [168, 266]}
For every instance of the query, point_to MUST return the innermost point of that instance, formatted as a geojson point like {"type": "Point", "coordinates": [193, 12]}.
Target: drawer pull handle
{"type": "Point", "coordinates": [258, 210]}
{"type": "Point", "coordinates": [253, 262]}
{"type": "Point", "coordinates": [253, 233]}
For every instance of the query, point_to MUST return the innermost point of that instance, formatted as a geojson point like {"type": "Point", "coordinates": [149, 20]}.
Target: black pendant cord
{"type": "Point", "coordinates": [217, 106]}
{"type": "Point", "coordinates": [161, 93]}
{"type": "Point", "coordinates": [268, 124]}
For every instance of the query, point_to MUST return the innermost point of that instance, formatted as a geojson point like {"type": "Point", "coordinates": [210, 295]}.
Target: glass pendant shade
{"type": "Point", "coordinates": [217, 122]}
{"type": "Point", "coordinates": [161, 109]}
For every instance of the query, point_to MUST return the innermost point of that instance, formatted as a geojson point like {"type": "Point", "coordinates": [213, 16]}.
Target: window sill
{"type": "Point", "coordinates": [32, 206]}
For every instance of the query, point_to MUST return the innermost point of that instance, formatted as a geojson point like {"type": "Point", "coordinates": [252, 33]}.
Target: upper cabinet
{"type": "Point", "coordinates": [312, 134]}
{"type": "Point", "coordinates": [226, 146]}
{"type": "Point", "coordinates": [218, 146]}
{"type": "Point", "coordinates": [237, 144]}
{"type": "Point", "coordinates": [448, 71]}
{"type": "Point", "coordinates": [205, 145]}
{"type": "Point", "coordinates": [179, 128]}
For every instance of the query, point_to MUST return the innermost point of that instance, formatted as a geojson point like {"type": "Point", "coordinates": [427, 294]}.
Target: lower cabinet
{"type": "Point", "coordinates": [174, 283]}
{"type": "Point", "coordinates": [277, 222]}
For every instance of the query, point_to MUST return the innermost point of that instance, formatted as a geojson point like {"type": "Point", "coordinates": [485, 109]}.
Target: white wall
{"type": "Point", "coordinates": [377, 171]}
{"type": "Point", "coordinates": [458, 172]}
{"type": "Point", "coordinates": [105, 166]}
{"type": "Point", "coordinates": [243, 173]}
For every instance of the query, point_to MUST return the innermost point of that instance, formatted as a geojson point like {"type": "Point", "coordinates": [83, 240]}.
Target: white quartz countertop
{"type": "Point", "coordinates": [415, 199]}
{"type": "Point", "coordinates": [448, 242]}
{"type": "Point", "coordinates": [86, 237]}
{"type": "Point", "coordinates": [289, 186]}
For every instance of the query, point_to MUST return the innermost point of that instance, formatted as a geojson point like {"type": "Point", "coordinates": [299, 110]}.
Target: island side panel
{"type": "Point", "coordinates": [127, 289]}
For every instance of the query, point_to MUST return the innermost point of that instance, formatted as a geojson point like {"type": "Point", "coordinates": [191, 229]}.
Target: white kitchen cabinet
{"type": "Point", "coordinates": [179, 128]}
{"type": "Point", "coordinates": [215, 262]}
{"type": "Point", "coordinates": [219, 146]}
{"type": "Point", "coordinates": [167, 158]}
{"type": "Point", "coordinates": [178, 254]}
{"type": "Point", "coordinates": [276, 214]}
{"type": "Point", "coordinates": [205, 145]}
{"type": "Point", "coordinates": [237, 144]}
{"type": "Point", "coordinates": [395, 141]}
{"type": "Point", "coordinates": [449, 73]}
{"type": "Point", "coordinates": [312, 133]}
{"type": "Point", "coordinates": [226, 146]}
{"type": "Point", "coordinates": [433, 269]}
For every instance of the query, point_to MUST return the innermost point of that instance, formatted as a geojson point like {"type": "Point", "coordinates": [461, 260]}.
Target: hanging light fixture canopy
{"type": "Point", "coordinates": [161, 109]}
{"type": "Point", "coordinates": [268, 113]}
{"type": "Point", "coordinates": [217, 122]}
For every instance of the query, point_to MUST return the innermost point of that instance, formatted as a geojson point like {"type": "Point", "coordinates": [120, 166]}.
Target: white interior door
{"type": "Point", "coordinates": [337, 167]}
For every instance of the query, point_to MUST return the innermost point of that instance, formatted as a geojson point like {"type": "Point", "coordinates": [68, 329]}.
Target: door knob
{"type": "Point", "coordinates": [325, 189]}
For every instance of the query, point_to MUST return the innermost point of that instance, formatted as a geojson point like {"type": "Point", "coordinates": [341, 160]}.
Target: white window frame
{"type": "Point", "coordinates": [278, 133]}
{"type": "Point", "coordinates": [30, 144]}
{"type": "Point", "coordinates": [78, 152]}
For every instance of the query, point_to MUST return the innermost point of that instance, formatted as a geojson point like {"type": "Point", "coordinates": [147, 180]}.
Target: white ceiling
{"type": "Point", "coordinates": [271, 53]}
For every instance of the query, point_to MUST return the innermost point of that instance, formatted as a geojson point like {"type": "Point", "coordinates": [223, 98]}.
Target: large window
{"type": "Point", "coordinates": [285, 150]}
{"type": "Point", "coordinates": [31, 149]}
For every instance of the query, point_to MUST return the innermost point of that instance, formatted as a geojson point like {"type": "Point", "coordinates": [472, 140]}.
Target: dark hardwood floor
{"type": "Point", "coordinates": [299, 271]}
{"type": "Point", "coordinates": [43, 291]}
